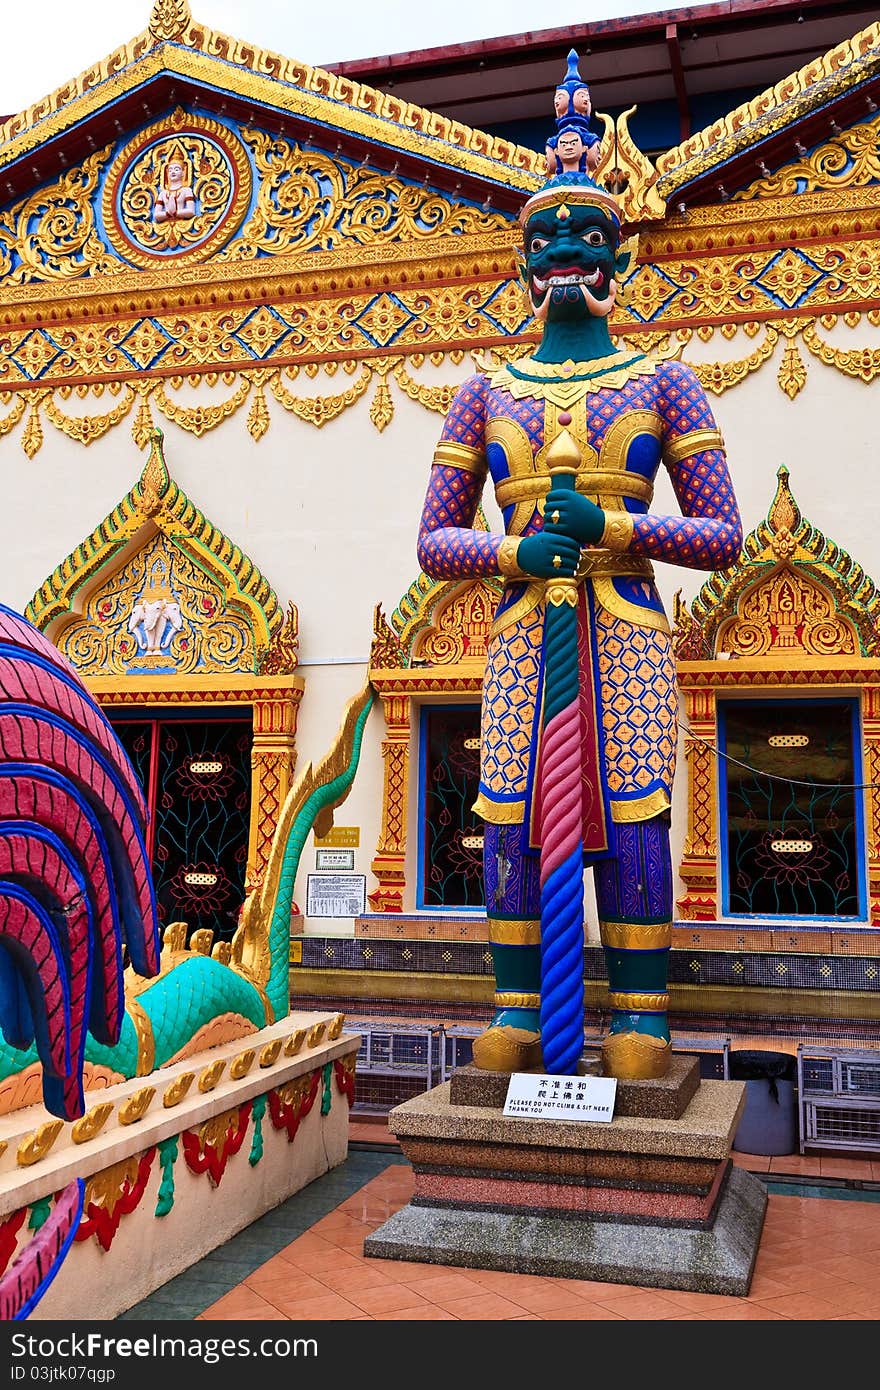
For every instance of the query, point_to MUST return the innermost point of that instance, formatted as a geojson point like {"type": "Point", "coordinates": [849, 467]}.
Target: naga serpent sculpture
{"type": "Point", "coordinates": [75, 889]}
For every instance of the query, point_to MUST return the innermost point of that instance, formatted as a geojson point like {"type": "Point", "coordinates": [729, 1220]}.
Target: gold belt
{"type": "Point", "coordinates": [609, 564]}
{"type": "Point", "coordinates": [593, 564]}
{"type": "Point", "coordinates": [591, 482]}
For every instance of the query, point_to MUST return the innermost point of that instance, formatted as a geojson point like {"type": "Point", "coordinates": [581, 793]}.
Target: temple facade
{"type": "Point", "coordinates": [237, 294]}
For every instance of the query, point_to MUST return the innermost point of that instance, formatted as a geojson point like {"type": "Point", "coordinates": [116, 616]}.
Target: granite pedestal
{"type": "Point", "coordinates": [643, 1200]}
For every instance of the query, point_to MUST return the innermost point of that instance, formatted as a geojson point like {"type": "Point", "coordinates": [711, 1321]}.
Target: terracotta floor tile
{"type": "Point", "coordinates": [346, 1281]}
{"type": "Point", "coordinates": [748, 1312]}
{"type": "Point", "coordinates": [482, 1307]}
{"type": "Point", "coordinates": [845, 1167]}
{"type": "Point", "coordinates": [429, 1313]}
{"type": "Point", "coordinates": [859, 1300]}
{"type": "Point", "coordinates": [544, 1301]}
{"type": "Point", "coordinates": [595, 1288]}
{"type": "Point", "coordinates": [445, 1288]}
{"type": "Point", "coordinates": [685, 1302]}
{"type": "Point", "coordinates": [756, 1163]}
{"type": "Point", "coordinates": [309, 1243]}
{"type": "Point", "coordinates": [414, 1272]}
{"type": "Point", "coordinates": [386, 1299]}
{"type": "Point", "coordinates": [294, 1284]}
{"type": "Point", "coordinates": [315, 1265]}
{"type": "Point", "coordinates": [331, 1305]}
{"type": "Point", "coordinates": [240, 1302]}
{"type": "Point", "coordinates": [588, 1312]}
{"type": "Point", "coordinates": [500, 1281]}
{"type": "Point", "coordinates": [850, 1268]}
{"type": "Point", "coordinates": [801, 1305]}
{"type": "Point", "coordinates": [639, 1305]}
{"type": "Point", "coordinates": [765, 1286]}
{"type": "Point", "coordinates": [801, 1165]}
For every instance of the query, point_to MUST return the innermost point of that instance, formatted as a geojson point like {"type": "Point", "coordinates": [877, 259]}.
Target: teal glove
{"type": "Point", "coordinates": [578, 516]}
{"type": "Point", "coordinates": [535, 555]}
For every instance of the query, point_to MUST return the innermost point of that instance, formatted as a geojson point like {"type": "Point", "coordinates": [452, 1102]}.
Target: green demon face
{"type": "Point", "coordinates": [572, 259]}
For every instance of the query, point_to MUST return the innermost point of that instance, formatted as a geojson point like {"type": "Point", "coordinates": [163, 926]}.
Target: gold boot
{"type": "Point", "coordinates": [635, 1056]}
{"type": "Point", "coordinates": [507, 1049]}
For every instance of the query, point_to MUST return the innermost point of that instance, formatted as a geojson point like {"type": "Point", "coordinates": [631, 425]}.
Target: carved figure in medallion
{"type": "Point", "coordinates": [175, 200]}
{"type": "Point", "coordinates": [579, 700]}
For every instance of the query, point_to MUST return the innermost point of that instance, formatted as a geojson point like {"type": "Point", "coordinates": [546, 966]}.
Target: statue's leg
{"type": "Point", "coordinates": [512, 1042]}
{"type": "Point", "coordinates": [634, 896]}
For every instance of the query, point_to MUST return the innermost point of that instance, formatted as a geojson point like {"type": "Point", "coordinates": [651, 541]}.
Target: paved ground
{"type": "Point", "coordinates": [819, 1260]}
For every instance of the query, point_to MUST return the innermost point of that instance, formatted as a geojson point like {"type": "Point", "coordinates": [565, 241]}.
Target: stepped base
{"type": "Point", "coordinates": [719, 1260]}
{"type": "Point", "coordinates": [644, 1201]}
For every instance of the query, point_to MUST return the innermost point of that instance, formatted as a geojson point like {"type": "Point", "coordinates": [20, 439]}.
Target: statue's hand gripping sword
{"type": "Point", "coordinates": [561, 808]}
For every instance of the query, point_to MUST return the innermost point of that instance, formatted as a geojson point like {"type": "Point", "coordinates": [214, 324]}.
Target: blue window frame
{"type": "Point", "coordinates": [450, 869]}
{"type": "Point", "coordinates": [792, 843]}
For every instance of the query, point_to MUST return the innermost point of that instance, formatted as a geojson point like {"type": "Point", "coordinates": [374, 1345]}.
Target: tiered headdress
{"type": "Point", "coordinates": [571, 152]}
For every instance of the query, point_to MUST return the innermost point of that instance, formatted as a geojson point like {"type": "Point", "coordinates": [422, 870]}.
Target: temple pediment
{"type": "Point", "coordinates": [204, 148]}
{"type": "Point", "coordinates": [793, 595]}
{"type": "Point", "coordinates": [156, 589]}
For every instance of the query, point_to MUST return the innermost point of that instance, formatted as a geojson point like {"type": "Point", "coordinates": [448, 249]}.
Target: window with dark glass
{"type": "Point", "coordinates": [196, 777]}
{"type": "Point", "coordinates": [792, 840]}
{"type": "Point", "coordinates": [451, 832]}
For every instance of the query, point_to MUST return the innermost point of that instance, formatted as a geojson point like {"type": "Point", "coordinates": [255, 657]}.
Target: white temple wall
{"type": "Point", "coordinates": [330, 517]}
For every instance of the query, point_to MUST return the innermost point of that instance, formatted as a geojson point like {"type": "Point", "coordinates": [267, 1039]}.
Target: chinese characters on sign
{"type": "Point", "coordinates": [336, 895]}
{"type": "Point", "coordinates": [531, 1097]}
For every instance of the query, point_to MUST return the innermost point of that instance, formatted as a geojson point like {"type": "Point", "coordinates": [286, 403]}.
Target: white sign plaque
{"type": "Point", "coordinates": [336, 895]}
{"type": "Point", "coordinates": [334, 859]}
{"type": "Point", "coordinates": [531, 1097]}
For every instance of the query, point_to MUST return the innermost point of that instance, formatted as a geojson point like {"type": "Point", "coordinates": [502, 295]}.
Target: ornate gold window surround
{"type": "Point", "coordinates": [433, 651]}
{"type": "Point", "coordinates": [795, 616]}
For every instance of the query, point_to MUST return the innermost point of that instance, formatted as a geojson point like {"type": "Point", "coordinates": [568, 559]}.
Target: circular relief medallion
{"type": "Point", "coordinates": [179, 189]}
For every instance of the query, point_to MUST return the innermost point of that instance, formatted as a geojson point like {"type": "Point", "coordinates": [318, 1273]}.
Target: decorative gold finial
{"type": "Point", "coordinates": [563, 456]}
{"type": "Point", "coordinates": [783, 514]}
{"type": "Point", "coordinates": [169, 19]}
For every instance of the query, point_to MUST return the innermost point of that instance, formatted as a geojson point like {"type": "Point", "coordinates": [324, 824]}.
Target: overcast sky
{"type": "Point", "coordinates": [45, 42]}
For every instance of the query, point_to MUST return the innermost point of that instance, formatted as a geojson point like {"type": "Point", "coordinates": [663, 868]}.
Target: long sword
{"type": "Point", "coordinates": [561, 809]}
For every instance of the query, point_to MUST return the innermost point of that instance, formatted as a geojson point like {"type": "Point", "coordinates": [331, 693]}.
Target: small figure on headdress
{"type": "Point", "coordinates": [574, 149]}
{"type": "Point", "coordinates": [175, 200]}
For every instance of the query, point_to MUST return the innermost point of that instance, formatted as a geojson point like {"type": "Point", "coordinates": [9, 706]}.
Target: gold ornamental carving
{"type": "Point", "coordinates": [793, 592]}
{"type": "Point", "coordinates": [626, 172]}
{"type": "Point", "coordinates": [136, 1106]}
{"type": "Point", "coordinates": [461, 627]}
{"type": "Point", "coordinates": [210, 1077]}
{"type": "Point", "coordinates": [848, 160]}
{"type": "Point", "coordinates": [180, 188]}
{"type": "Point", "coordinates": [91, 1124]}
{"type": "Point", "coordinates": [282, 654]}
{"type": "Point", "coordinates": [175, 1093]}
{"type": "Point", "coordinates": [169, 19]}
{"type": "Point", "coordinates": [51, 234]}
{"type": "Point", "coordinates": [36, 1146]}
{"type": "Point", "coordinates": [308, 201]}
{"type": "Point", "coordinates": [787, 613]}
{"type": "Point", "coordinates": [117, 633]}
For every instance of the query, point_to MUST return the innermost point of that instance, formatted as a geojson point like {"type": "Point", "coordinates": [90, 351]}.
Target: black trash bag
{"type": "Point", "coordinates": [763, 1066]}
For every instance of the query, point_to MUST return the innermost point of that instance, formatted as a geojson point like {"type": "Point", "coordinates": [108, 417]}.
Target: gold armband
{"type": "Point", "coordinates": [686, 445]}
{"type": "Point", "coordinates": [507, 558]}
{"type": "Point", "coordinates": [618, 532]}
{"type": "Point", "coordinates": [451, 455]}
